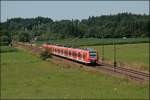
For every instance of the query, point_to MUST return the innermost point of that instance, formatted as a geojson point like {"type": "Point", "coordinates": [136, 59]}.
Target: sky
{"type": "Point", "coordinates": [58, 10]}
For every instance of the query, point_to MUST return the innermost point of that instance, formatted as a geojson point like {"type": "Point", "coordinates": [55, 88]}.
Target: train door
{"type": "Point", "coordinates": [74, 54]}
{"type": "Point", "coordinates": [61, 51]}
{"type": "Point", "coordinates": [66, 52]}
{"type": "Point", "coordinates": [84, 56]}
{"type": "Point", "coordinates": [70, 53]}
{"type": "Point", "coordinates": [79, 56]}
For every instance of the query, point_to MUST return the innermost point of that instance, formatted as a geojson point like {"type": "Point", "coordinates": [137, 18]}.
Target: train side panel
{"type": "Point", "coordinates": [70, 53]}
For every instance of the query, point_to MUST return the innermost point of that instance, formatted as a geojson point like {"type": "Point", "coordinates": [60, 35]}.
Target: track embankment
{"type": "Point", "coordinates": [130, 74]}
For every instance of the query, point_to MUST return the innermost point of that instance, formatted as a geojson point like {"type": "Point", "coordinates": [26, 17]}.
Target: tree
{"type": "Point", "coordinates": [24, 37]}
{"type": "Point", "coordinates": [108, 26]}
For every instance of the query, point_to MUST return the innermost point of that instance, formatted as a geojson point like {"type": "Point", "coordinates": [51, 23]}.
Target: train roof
{"type": "Point", "coordinates": [88, 49]}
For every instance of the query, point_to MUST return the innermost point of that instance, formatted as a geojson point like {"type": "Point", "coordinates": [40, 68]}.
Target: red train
{"type": "Point", "coordinates": [87, 56]}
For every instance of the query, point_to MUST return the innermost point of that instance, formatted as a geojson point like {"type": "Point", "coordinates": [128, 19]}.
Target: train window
{"type": "Point", "coordinates": [74, 54]}
{"type": "Point", "coordinates": [66, 52]}
{"type": "Point", "coordinates": [58, 50]}
{"type": "Point", "coordinates": [79, 55]}
{"type": "Point", "coordinates": [69, 53]}
{"type": "Point", "coordinates": [92, 54]}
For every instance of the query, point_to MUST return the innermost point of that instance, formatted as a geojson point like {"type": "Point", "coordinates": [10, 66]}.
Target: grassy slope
{"type": "Point", "coordinates": [137, 54]}
{"type": "Point", "coordinates": [26, 76]}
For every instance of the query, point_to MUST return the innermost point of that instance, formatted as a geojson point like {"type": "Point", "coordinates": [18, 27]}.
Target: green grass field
{"type": "Point", "coordinates": [95, 41]}
{"type": "Point", "coordinates": [132, 54]}
{"type": "Point", "coordinates": [26, 76]}
{"type": "Point", "coordinates": [7, 49]}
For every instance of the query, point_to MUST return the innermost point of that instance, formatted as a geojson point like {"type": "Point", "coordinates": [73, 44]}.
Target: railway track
{"type": "Point", "coordinates": [130, 73]}
{"type": "Point", "coordinates": [133, 74]}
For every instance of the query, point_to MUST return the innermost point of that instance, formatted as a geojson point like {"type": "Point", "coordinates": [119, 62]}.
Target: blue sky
{"type": "Point", "coordinates": [58, 10]}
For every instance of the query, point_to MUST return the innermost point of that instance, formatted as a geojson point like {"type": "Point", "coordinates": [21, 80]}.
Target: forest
{"type": "Point", "coordinates": [105, 26]}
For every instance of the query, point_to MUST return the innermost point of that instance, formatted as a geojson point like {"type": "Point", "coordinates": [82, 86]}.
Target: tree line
{"type": "Point", "coordinates": [106, 26]}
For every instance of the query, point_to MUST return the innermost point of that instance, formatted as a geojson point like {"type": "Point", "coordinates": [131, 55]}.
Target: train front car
{"type": "Point", "coordinates": [92, 56]}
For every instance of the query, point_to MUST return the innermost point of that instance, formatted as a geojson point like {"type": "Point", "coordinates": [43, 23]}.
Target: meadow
{"type": "Point", "coordinates": [130, 52]}
{"type": "Point", "coordinates": [136, 55]}
{"type": "Point", "coordinates": [24, 75]}
{"type": "Point", "coordinates": [76, 42]}
{"type": "Point", "coordinates": [7, 49]}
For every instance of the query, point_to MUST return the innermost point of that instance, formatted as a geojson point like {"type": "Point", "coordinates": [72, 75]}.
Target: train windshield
{"type": "Point", "coordinates": [92, 54]}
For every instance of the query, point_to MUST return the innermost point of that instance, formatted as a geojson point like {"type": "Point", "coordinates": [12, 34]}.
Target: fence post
{"type": "Point", "coordinates": [115, 62]}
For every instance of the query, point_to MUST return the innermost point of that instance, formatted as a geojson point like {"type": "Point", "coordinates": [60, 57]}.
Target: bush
{"type": "Point", "coordinates": [45, 55]}
{"type": "Point", "coordinates": [24, 37]}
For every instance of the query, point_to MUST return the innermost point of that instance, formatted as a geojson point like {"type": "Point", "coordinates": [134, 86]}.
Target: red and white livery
{"type": "Point", "coordinates": [86, 56]}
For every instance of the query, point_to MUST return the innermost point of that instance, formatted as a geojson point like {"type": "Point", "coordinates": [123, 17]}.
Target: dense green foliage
{"type": "Point", "coordinates": [24, 76]}
{"type": "Point", "coordinates": [105, 26]}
